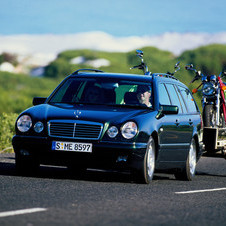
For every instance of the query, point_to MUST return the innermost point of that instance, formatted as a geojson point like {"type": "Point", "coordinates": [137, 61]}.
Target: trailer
{"type": "Point", "coordinates": [214, 140]}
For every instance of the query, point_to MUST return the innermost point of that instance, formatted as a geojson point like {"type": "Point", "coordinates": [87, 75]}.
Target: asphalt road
{"type": "Point", "coordinates": [53, 197]}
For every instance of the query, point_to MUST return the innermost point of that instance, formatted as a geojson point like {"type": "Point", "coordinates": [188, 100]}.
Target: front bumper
{"type": "Point", "coordinates": [105, 154]}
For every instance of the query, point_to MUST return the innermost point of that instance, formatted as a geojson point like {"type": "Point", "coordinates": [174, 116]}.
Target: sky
{"type": "Point", "coordinates": [43, 28]}
{"type": "Point", "coordinates": [115, 17]}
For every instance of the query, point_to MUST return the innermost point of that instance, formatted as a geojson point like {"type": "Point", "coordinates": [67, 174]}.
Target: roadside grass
{"type": "Point", "coordinates": [7, 131]}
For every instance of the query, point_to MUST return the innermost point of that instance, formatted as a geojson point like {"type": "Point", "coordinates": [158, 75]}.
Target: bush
{"type": "Point", "coordinates": [7, 130]}
{"type": "Point", "coordinates": [17, 91]}
{"type": "Point", "coordinates": [58, 69]}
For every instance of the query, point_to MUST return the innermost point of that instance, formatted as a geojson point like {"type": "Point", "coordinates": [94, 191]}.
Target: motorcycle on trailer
{"type": "Point", "coordinates": [214, 111]}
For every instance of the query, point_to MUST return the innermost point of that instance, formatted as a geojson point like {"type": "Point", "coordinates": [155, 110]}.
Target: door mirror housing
{"type": "Point", "coordinates": [167, 110]}
{"type": "Point", "coordinates": [39, 100]}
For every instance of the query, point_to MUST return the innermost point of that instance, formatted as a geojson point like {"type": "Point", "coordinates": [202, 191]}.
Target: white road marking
{"type": "Point", "coordinates": [18, 212]}
{"type": "Point", "coordinates": [197, 191]}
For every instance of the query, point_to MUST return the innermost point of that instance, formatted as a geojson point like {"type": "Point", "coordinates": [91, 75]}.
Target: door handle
{"type": "Point", "coordinates": [177, 122]}
{"type": "Point", "coordinates": [190, 122]}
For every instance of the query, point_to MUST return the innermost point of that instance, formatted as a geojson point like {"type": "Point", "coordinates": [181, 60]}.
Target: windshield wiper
{"type": "Point", "coordinates": [61, 102]}
{"type": "Point", "coordinates": [104, 104]}
{"type": "Point", "coordinates": [129, 106]}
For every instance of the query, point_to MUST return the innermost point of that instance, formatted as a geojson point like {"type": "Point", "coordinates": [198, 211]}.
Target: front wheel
{"type": "Point", "coordinates": [189, 171]}
{"type": "Point", "coordinates": [209, 116]}
{"type": "Point", "coordinates": [146, 173]}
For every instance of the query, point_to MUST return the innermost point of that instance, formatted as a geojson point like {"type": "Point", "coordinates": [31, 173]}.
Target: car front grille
{"type": "Point", "coordinates": [75, 129]}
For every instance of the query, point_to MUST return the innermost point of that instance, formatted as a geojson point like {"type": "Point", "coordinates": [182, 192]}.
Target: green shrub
{"type": "Point", "coordinates": [7, 130]}
{"type": "Point", "coordinates": [17, 91]}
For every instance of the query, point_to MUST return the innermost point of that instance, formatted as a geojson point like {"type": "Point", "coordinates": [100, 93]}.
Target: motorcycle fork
{"type": "Point", "coordinates": [218, 108]}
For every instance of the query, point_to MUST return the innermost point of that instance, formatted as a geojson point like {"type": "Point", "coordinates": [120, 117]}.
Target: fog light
{"type": "Point", "coordinates": [112, 132]}
{"type": "Point", "coordinates": [38, 127]}
{"type": "Point", "coordinates": [122, 158]}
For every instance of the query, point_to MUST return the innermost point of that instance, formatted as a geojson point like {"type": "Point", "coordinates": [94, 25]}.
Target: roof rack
{"type": "Point", "coordinates": [85, 69]}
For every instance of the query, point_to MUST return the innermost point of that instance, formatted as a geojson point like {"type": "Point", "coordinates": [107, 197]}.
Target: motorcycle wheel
{"type": "Point", "coordinates": [209, 116]}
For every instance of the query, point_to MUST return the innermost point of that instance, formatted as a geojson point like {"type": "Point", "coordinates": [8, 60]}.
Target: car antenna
{"type": "Point", "coordinates": [142, 66]}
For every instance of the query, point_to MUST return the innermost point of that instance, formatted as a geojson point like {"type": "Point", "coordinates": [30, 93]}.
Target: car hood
{"type": "Point", "coordinates": [95, 113]}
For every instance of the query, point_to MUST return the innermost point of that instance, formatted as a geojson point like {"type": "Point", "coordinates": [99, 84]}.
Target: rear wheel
{"type": "Point", "coordinates": [146, 173]}
{"type": "Point", "coordinates": [189, 171]}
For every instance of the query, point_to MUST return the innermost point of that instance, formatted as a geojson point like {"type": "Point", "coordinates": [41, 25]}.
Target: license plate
{"type": "Point", "coordinates": [71, 146]}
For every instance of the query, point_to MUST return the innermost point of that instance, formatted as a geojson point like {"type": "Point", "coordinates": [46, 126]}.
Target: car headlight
{"type": "Point", "coordinates": [129, 130]}
{"type": "Point", "coordinates": [112, 132]}
{"type": "Point", "coordinates": [208, 89]}
{"type": "Point", "coordinates": [24, 123]}
{"type": "Point", "coordinates": [38, 127]}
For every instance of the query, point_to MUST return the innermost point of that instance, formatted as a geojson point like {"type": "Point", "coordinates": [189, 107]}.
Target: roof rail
{"type": "Point", "coordinates": [171, 76]}
{"type": "Point", "coordinates": [166, 76]}
{"type": "Point", "coordinates": [85, 69]}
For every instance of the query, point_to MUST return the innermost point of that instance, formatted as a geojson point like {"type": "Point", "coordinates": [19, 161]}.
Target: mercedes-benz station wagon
{"type": "Point", "coordinates": [140, 123]}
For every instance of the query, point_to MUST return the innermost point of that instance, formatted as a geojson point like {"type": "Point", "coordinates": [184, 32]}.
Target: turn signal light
{"type": "Point", "coordinates": [224, 88]}
{"type": "Point", "coordinates": [194, 91]}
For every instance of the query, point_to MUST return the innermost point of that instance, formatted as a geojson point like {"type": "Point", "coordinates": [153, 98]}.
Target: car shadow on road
{"type": "Point", "coordinates": [7, 168]}
{"type": "Point", "coordinates": [209, 174]}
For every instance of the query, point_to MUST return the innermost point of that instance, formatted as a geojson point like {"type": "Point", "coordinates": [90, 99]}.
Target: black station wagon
{"type": "Point", "coordinates": [141, 123]}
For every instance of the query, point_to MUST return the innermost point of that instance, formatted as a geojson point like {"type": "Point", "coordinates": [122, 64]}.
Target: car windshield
{"type": "Point", "coordinates": [104, 91]}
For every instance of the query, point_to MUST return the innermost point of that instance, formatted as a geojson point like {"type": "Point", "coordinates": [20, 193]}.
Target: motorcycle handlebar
{"type": "Point", "coordinates": [194, 79]}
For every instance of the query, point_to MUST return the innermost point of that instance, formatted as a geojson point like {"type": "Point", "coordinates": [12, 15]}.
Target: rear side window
{"type": "Point", "coordinates": [174, 96]}
{"type": "Point", "coordinates": [181, 100]}
{"type": "Point", "coordinates": [163, 95]}
{"type": "Point", "coordinates": [189, 100]}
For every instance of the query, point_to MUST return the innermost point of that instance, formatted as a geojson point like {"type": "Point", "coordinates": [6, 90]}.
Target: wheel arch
{"type": "Point", "coordinates": [196, 138]}
{"type": "Point", "coordinates": [156, 139]}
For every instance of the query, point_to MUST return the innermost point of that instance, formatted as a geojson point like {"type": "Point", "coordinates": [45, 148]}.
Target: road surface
{"type": "Point", "coordinates": [53, 197]}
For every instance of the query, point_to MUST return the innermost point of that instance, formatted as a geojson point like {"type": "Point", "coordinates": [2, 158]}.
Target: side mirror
{"type": "Point", "coordinates": [140, 53]}
{"type": "Point", "coordinates": [224, 73]}
{"type": "Point", "coordinates": [169, 109]}
{"type": "Point", "coordinates": [39, 100]}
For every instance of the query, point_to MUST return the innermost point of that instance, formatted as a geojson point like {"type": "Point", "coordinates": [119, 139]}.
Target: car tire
{"type": "Point", "coordinates": [146, 173]}
{"type": "Point", "coordinates": [26, 165]}
{"type": "Point", "coordinates": [188, 172]}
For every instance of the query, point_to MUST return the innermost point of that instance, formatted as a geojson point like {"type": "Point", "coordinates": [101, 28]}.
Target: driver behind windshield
{"type": "Point", "coordinates": [144, 95]}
